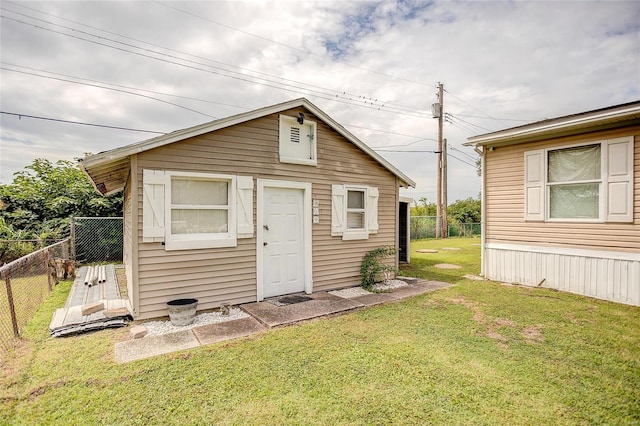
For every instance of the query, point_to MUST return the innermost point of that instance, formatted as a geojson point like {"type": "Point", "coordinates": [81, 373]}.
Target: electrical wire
{"type": "Point", "coordinates": [79, 122]}
{"type": "Point", "coordinates": [109, 88]}
{"type": "Point", "coordinates": [351, 98]}
{"type": "Point", "coordinates": [308, 52]}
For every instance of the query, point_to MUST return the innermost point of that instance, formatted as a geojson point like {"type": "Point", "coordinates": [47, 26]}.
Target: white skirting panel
{"type": "Point", "coordinates": [603, 275]}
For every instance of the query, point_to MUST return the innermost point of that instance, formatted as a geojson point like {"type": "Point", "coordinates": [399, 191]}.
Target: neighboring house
{"type": "Point", "coordinates": [561, 203]}
{"type": "Point", "coordinates": [274, 201]}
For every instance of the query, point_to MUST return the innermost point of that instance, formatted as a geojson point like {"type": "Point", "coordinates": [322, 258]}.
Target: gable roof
{"type": "Point", "coordinates": [108, 170]}
{"type": "Point", "coordinates": [590, 121]}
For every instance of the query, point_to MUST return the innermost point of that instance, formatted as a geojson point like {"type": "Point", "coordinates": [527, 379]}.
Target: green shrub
{"type": "Point", "coordinates": [372, 270]}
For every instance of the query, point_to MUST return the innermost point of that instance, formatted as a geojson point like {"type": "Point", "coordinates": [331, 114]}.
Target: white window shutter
{"type": "Point", "coordinates": [244, 202]}
{"type": "Point", "coordinates": [153, 193]}
{"type": "Point", "coordinates": [372, 209]}
{"type": "Point", "coordinates": [338, 210]}
{"type": "Point", "coordinates": [534, 185]}
{"type": "Point", "coordinates": [619, 180]}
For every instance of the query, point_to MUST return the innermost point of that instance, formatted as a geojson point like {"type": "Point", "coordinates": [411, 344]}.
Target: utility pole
{"type": "Point", "coordinates": [439, 177]}
{"type": "Point", "coordinates": [445, 224]}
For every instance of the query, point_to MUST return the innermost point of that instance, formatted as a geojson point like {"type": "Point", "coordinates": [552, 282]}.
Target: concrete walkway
{"type": "Point", "coordinates": [264, 315]}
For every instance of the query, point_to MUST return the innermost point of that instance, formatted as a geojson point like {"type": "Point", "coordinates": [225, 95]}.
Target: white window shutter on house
{"type": "Point", "coordinates": [372, 209]}
{"type": "Point", "coordinates": [244, 203]}
{"type": "Point", "coordinates": [620, 180]}
{"type": "Point", "coordinates": [338, 210]}
{"type": "Point", "coordinates": [153, 192]}
{"type": "Point", "coordinates": [534, 185]}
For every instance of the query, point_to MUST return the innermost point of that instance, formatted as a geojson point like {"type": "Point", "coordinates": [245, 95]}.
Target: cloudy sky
{"type": "Point", "coordinates": [159, 66]}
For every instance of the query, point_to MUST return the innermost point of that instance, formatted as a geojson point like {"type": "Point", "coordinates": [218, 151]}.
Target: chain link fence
{"type": "Point", "coordinates": [97, 239]}
{"type": "Point", "coordinates": [425, 227]}
{"type": "Point", "coordinates": [24, 284]}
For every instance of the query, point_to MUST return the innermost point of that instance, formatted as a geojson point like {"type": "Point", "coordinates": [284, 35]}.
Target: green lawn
{"type": "Point", "coordinates": [476, 353]}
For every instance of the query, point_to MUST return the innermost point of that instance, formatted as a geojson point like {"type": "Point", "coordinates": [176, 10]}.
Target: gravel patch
{"type": "Point", "coordinates": [349, 293]}
{"type": "Point", "coordinates": [157, 328]}
{"type": "Point", "coordinates": [389, 285]}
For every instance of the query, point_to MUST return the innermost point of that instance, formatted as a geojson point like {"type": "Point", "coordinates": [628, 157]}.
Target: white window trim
{"type": "Point", "coordinates": [356, 233]}
{"type": "Point", "coordinates": [201, 241]}
{"type": "Point", "coordinates": [601, 182]}
{"type": "Point", "coordinates": [339, 195]}
{"type": "Point", "coordinates": [284, 123]}
{"type": "Point", "coordinates": [603, 201]}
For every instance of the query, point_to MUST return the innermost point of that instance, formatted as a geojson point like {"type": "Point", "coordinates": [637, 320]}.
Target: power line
{"type": "Point", "coordinates": [335, 96]}
{"type": "Point", "coordinates": [454, 117]}
{"type": "Point", "coordinates": [79, 122]}
{"type": "Point", "coordinates": [291, 47]}
{"type": "Point", "coordinates": [109, 88]}
{"type": "Point", "coordinates": [127, 87]}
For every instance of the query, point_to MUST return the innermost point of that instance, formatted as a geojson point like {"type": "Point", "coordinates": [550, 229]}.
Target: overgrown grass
{"type": "Point", "coordinates": [476, 353]}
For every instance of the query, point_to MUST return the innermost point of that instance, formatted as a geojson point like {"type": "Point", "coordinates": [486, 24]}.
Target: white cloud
{"type": "Point", "coordinates": [516, 60]}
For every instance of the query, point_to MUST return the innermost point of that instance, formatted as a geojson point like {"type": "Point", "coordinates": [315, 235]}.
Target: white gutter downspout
{"type": "Point", "coordinates": [483, 209]}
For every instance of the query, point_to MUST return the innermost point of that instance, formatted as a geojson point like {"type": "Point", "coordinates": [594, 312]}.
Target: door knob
{"type": "Point", "coordinates": [265, 244]}
{"type": "Point", "coordinates": [266, 227]}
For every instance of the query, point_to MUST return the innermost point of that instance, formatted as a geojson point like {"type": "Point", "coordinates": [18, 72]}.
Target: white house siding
{"type": "Point", "coordinates": [229, 274]}
{"type": "Point", "coordinates": [600, 275]}
{"type": "Point", "coordinates": [594, 259]}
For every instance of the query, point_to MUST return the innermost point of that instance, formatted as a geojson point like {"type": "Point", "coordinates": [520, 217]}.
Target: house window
{"type": "Point", "coordinates": [355, 209]}
{"type": "Point", "coordinates": [199, 212]}
{"type": "Point", "coordinates": [574, 182]}
{"type": "Point", "coordinates": [591, 182]}
{"type": "Point", "coordinates": [297, 140]}
{"type": "Point", "coordinates": [199, 206]}
{"type": "Point", "coordinates": [186, 210]}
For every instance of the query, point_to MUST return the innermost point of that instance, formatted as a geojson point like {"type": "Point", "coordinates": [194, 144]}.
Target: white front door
{"type": "Point", "coordinates": [282, 239]}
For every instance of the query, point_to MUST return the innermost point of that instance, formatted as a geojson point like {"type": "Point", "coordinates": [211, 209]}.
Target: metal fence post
{"type": "Point", "coordinates": [12, 306]}
{"type": "Point", "coordinates": [72, 240]}
{"type": "Point", "coordinates": [47, 268]}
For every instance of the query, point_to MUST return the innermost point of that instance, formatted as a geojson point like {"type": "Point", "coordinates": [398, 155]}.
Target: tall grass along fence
{"type": "Point", "coordinates": [425, 227]}
{"type": "Point", "coordinates": [96, 239]}
{"type": "Point", "coordinates": [24, 284]}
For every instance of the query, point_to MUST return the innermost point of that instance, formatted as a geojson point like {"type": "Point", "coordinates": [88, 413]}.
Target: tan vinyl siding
{"type": "Point", "coordinates": [505, 202]}
{"type": "Point", "coordinates": [229, 274]}
{"type": "Point", "coordinates": [127, 258]}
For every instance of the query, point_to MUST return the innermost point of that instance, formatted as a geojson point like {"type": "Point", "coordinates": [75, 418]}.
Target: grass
{"type": "Point", "coordinates": [476, 353]}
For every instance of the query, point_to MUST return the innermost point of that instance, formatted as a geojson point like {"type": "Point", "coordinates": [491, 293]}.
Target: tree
{"type": "Point", "coordinates": [423, 208]}
{"type": "Point", "coordinates": [42, 198]}
{"type": "Point", "coordinates": [468, 210]}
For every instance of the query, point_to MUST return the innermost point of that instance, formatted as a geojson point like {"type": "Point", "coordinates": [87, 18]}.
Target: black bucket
{"type": "Point", "coordinates": [182, 311]}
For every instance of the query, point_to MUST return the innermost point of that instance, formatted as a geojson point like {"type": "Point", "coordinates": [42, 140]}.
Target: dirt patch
{"type": "Point", "coordinates": [447, 266]}
{"type": "Point", "coordinates": [531, 334]}
{"type": "Point", "coordinates": [451, 248]}
{"type": "Point", "coordinates": [474, 277]}
{"type": "Point", "coordinates": [426, 251]}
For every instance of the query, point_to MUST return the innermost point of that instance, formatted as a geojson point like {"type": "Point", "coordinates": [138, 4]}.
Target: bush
{"type": "Point", "coordinates": [372, 270]}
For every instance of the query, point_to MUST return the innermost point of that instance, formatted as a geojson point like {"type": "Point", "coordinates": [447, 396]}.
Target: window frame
{"type": "Point", "coordinates": [601, 184]}
{"type": "Point", "coordinates": [616, 196]}
{"type": "Point", "coordinates": [363, 210]}
{"type": "Point", "coordinates": [204, 240]}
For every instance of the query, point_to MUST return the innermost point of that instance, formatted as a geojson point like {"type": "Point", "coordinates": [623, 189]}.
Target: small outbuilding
{"type": "Point", "coordinates": [561, 203]}
{"type": "Point", "coordinates": [270, 202]}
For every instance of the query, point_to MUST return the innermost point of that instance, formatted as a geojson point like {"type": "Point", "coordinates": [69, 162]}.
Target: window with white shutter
{"type": "Point", "coordinates": [354, 211]}
{"type": "Point", "coordinates": [586, 183]}
{"type": "Point", "coordinates": [196, 210]}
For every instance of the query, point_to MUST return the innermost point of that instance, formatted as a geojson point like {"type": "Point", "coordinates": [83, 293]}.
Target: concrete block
{"type": "Point", "coordinates": [92, 308]}
{"type": "Point", "coordinates": [138, 331]}
{"type": "Point", "coordinates": [114, 313]}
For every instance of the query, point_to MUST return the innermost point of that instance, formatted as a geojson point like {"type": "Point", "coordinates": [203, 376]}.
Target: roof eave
{"type": "Point", "coordinates": [118, 154]}
{"type": "Point", "coordinates": [564, 126]}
